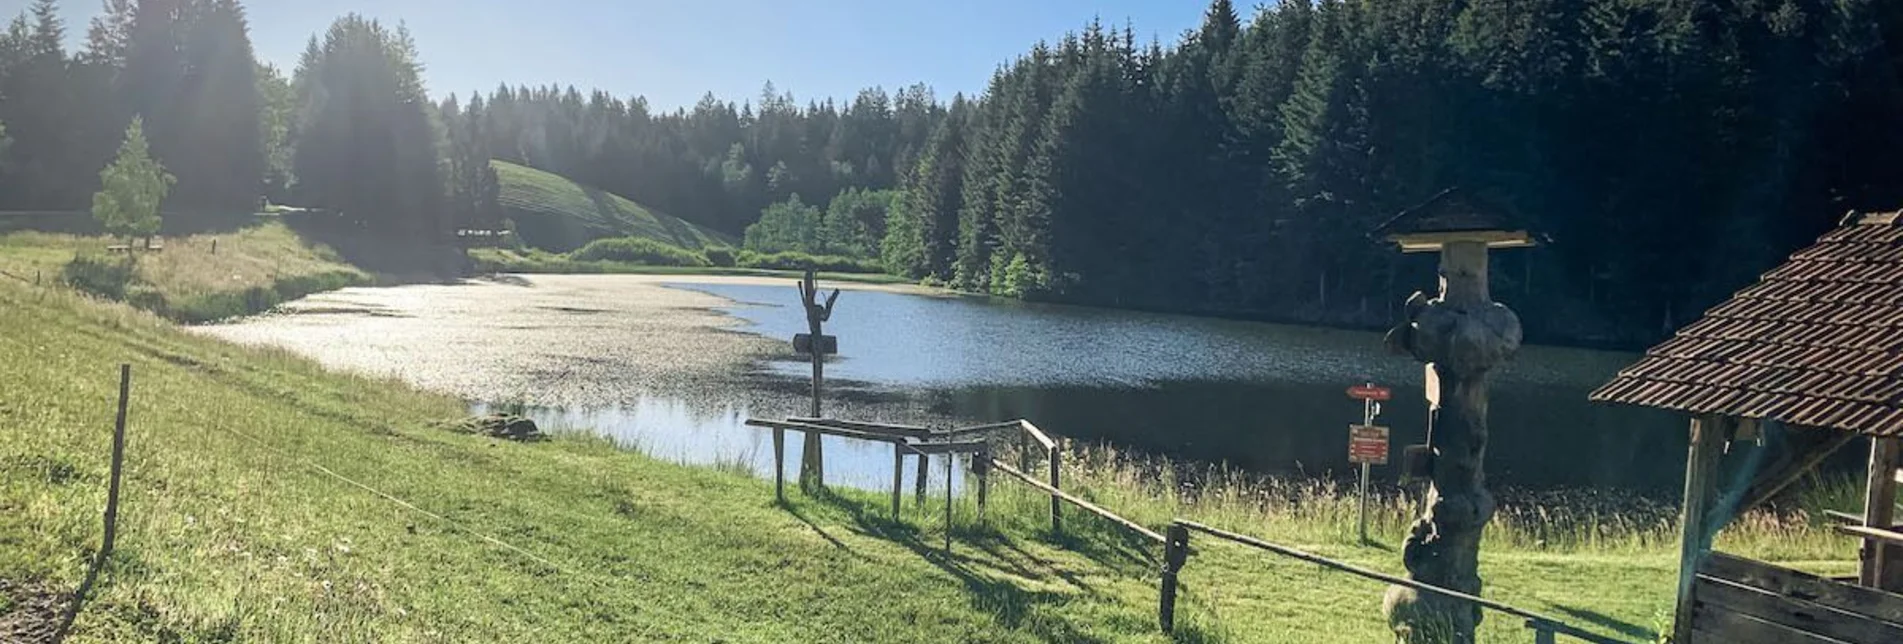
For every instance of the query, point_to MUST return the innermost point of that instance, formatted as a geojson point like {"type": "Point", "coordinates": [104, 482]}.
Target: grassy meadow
{"type": "Point", "coordinates": [251, 269]}
{"type": "Point", "coordinates": [267, 499]}
{"type": "Point", "coordinates": [552, 211]}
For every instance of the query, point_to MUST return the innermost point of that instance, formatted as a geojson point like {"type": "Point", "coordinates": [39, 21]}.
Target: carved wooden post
{"type": "Point", "coordinates": [812, 460]}
{"type": "Point", "coordinates": [1462, 335]}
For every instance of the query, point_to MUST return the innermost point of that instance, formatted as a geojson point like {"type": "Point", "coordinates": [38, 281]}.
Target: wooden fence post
{"type": "Point", "coordinates": [1541, 634]}
{"type": "Point", "coordinates": [1175, 553]}
{"type": "Point", "coordinates": [112, 508]}
{"type": "Point", "coordinates": [1057, 465]}
{"type": "Point", "coordinates": [949, 457]}
{"type": "Point", "coordinates": [779, 464]}
{"type": "Point", "coordinates": [981, 465]}
{"type": "Point", "coordinates": [118, 458]}
{"type": "Point", "coordinates": [923, 462]}
{"type": "Point", "coordinates": [898, 476]}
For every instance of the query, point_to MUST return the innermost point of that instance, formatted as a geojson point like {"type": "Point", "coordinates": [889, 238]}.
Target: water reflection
{"type": "Point", "coordinates": [675, 430]}
{"type": "Point", "coordinates": [674, 365]}
{"type": "Point", "coordinates": [1265, 397]}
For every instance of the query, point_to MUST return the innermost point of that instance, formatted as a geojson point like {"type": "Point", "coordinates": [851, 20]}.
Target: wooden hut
{"type": "Point", "coordinates": [1814, 354]}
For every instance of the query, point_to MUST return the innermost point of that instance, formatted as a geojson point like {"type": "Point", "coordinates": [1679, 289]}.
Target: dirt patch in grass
{"type": "Point", "coordinates": [29, 612]}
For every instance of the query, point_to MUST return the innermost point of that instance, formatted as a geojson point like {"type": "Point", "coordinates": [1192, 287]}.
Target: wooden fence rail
{"type": "Point", "coordinates": [1176, 548]}
{"type": "Point", "coordinates": [1087, 506]}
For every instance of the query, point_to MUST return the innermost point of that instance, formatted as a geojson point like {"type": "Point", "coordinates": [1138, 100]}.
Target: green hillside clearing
{"type": "Point", "coordinates": [553, 213]}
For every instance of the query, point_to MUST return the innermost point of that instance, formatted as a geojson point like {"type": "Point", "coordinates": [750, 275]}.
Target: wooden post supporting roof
{"type": "Point", "coordinates": [1701, 471]}
{"type": "Point", "coordinates": [1882, 562]}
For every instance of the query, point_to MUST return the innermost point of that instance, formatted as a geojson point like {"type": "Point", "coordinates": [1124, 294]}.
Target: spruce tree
{"type": "Point", "coordinates": [131, 188]}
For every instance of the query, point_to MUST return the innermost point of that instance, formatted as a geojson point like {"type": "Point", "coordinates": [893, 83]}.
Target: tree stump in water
{"type": "Point", "coordinates": [1463, 335]}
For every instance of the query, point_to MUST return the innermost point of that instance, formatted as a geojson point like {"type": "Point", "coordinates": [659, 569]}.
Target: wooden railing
{"type": "Point", "coordinates": [1176, 554]}
{"type": "Point", "coordinates": [923, 441]}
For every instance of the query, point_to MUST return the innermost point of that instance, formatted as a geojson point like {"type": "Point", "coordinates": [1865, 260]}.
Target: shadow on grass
{"type": "Point", "coordinates": [823, 534]}
{"type": "Point", "coordinates": [1010, 604]}
{"type": "Point", "coordinates": [1622, 627]}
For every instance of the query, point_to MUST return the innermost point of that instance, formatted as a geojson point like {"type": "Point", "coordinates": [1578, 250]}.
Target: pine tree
{"type": "Point", "coordinates": [132, 188]}
{"type": "Point", "coordinates": [365, 145]}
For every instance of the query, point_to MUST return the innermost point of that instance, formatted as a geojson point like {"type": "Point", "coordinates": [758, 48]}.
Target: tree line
{"type": "Point", "coordinates": [1671, 149]}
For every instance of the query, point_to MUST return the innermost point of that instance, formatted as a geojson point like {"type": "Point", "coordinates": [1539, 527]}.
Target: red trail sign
{"type": "Point", "coordinates": [1369, 392]}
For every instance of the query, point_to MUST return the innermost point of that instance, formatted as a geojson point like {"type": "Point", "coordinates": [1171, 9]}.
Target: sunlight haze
{"type": "Point", "coordinates": [674, 52]}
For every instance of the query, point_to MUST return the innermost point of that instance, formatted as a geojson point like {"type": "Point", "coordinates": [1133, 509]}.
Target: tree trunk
{"type": "Point", "coordinates": [1463, 334]}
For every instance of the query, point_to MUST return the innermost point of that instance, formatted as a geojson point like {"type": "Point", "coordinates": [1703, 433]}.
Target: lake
{"type": "Point", "coordinates": [673, 365]}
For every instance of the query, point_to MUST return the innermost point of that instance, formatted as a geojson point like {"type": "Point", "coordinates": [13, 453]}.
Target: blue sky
{"type": "Point", "coordinates": [674, 51]}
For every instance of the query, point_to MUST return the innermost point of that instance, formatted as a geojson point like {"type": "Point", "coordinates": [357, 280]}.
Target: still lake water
{"type": "Point", "coordinates": [594, 352]}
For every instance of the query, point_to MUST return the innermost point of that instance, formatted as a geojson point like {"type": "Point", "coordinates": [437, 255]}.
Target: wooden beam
{"type": "Point", "coordinates": [1718, 626]}
{"type": "Point", "coordinates": [1847, 518]}
{"type": "Point", "coordinates": [1038, 434]}
{"type": "Point", "coordinates": [1842, 626]}
{"type": "Point", "coordinates": [908, 431]}
{"type": "Point", "coordinates": [1873, 533]}
{"type": "Point", "coordinates": [962, 447]}
{"type": "Point", "coordinates": [1799, 585]}
{"type": "Point", "coordinates": [1882, 559]}
{"type": "Point", "coordinates": [823, 430]}
{"type": "Point", "coordinates": [1807, 452]}
{"type": "Point", "coordinates": [958, 432]}
{"type": "Point", "coordinates": [1701, 469]}
{"type": "Point", "coordinates": [1430, 242]}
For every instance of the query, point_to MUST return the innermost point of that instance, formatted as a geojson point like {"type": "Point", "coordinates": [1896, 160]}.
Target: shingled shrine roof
{"type": "Point", "coordinates": [1455, 214]}
{"type": "Point", "coordinates": [1817, 341]}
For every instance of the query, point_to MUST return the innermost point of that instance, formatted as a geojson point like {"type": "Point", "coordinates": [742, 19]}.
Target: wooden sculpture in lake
{"type": "Point", "coordinates": [815, 345]}
{"type": "Point", "coordinates": [1462, 335]}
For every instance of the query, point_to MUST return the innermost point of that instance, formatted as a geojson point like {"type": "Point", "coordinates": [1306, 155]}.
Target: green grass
{"type": "Point", "coordinates": [554, 213]}
{"type": "Point", "coordinates": [230, 532]}
{"type": "Point", "coordinates": [497, 260]}
{"type": "Point", "coordinates": [252, 270]}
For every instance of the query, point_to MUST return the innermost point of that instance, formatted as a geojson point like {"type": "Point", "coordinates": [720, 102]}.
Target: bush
{"type": "Point", "coordinates": [635, 250]}
{"type": "Point", "coordinates": [223, 305]}
{"type": "Point", "coordinates": [794, 261]}
{"type": "Point", "coordinates": [144, 296]}
{"type": "Point", "coordinates": [718, 256]}
{"type": "Point", "coordinates": [102, 276]}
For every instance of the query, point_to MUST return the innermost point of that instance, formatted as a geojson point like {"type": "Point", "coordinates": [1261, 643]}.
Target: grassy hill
{"type": "Point", "coordinates": [195, 278]}
{"type": "Point", "coordinates": [553, 213]}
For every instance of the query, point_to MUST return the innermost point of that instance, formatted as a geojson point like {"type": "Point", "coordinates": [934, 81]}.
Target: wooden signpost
{"type": "Point", "coordinates": [1367, 442]}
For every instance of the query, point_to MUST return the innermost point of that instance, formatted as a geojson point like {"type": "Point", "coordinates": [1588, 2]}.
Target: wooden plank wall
{"type": "Point", "coordinates": [1739, 601]}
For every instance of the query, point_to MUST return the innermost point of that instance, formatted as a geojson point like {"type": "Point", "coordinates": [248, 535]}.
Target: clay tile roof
{"type": "Point", "coordinates": [1818, 341]}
